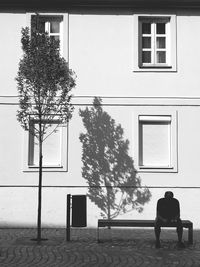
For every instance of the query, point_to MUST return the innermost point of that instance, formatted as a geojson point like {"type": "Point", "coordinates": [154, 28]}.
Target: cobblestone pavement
{"type": "Point", "coordinates": [118, 247]}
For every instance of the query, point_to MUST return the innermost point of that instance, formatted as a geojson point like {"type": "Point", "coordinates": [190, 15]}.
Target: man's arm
{"type": "Point", "coordinates": [177, 215]}
{"type": "Point", "coordinates": [158, 215]}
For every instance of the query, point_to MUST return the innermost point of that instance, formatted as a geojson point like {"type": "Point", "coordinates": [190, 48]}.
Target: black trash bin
{"type": "Point", "coordinates": [79, 211]}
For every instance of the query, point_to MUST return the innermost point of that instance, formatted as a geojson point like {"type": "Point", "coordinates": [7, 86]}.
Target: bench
{"type": "Point", "coordinates": [143, 223]}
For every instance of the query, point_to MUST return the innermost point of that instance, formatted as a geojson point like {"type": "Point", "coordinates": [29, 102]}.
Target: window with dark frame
{"type": "Point", "coordinates": [154, 41]}
{"type": "Point", "coordinates": [51, 24]}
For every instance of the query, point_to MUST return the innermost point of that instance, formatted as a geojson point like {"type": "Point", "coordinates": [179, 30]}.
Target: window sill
{"type": "Point", "coordinates": [155, 68]}
{"type": "Point", "coordinates": [159, 66]}
{"type": "Point", "coordinates": [156, 169]}
{"type": "Point", "coordinates": [45, 166]}
{"type": "Point", "coordinates": [50, 168]}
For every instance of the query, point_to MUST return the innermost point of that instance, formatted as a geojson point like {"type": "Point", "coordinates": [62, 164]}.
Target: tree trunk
{"type": "Point", "coordinates": [39, 186]}
{"type": "Point", "coordinates": [109, 204]}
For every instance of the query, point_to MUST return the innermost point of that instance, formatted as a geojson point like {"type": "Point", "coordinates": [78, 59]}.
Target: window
{"type": "Point", "coordinates": [156, 142]}
{"type": "Point", "coordinates": [52, 24]}
{"type": "Point", "coordinates": [155, 43]}
{"type": "Point", "coordinates": [55, 24]}
{"type": "Point", "coordinates": [54, 147]}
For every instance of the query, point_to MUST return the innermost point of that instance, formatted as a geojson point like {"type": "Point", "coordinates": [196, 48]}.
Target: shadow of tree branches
{"type": "Point", "coordinates": [114, 185]}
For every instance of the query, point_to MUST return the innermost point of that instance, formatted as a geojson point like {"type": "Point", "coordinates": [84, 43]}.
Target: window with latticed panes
{"type": "Point", "coordinates": [51, 24]}
{"type": "Point", "coordinates": [154, 42]}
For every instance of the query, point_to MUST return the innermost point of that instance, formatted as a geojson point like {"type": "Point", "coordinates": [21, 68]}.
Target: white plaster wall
{"type": "Point", "coordinates": [101, 53]}
{"type": "Point", "coordinates": [19, 206]}
{"type": "Point", "coordinates": [18, 194]}
{"type": "Point", "coordinates": [10, 50]}
{"type": "Point", "coordinates": [103, 58]}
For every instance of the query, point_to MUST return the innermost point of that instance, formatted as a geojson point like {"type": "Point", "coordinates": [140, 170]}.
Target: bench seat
{"type": "Point", "coordinates": [143, 223]}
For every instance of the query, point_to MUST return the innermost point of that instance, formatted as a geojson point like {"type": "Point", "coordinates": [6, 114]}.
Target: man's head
{"type": "Point", "coordinates": [169, 195]}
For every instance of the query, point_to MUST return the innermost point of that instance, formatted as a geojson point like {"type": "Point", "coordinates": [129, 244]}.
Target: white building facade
{"type": "Point", "coordinates": [142, 59]}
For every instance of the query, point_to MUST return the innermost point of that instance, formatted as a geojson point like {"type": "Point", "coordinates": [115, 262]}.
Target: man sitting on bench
{"type": "Point", "coordinates": [168, 212]}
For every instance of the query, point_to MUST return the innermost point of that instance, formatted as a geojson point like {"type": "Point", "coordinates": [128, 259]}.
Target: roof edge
{"type": "Point", "coordinates": [36, 4]}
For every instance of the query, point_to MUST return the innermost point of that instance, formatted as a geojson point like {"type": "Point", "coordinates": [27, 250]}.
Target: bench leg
{"type": "Point", "coordinates": [190, 235]}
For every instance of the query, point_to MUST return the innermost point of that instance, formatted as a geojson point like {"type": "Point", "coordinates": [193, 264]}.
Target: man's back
{"type": "Point", "coordinates": [168, 208]}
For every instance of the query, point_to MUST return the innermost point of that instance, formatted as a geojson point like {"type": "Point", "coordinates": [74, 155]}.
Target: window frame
{"type": "Point", "coordinates": [170, 35]}
{"type": "Point", "coordinates": [62, 167]}
{"type": "Point", "coordinates": [173, 140]}
{"type": "Point", "coordinates": [64, 29]}
{"type": "Point", "coordinates": [60, 34]}
{"type": "Point", "coordinates": [153, 35]}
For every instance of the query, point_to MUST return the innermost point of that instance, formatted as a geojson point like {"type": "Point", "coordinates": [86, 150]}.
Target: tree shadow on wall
{"type": "Point", "coordinates": [114, 185]}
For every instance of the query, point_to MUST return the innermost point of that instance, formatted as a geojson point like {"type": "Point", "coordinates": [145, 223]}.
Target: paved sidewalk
{"type": "Point", "coordinates": [118, 247]}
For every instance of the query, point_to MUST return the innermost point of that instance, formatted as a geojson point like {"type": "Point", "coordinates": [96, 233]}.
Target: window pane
{"type": "Point", "coordinates": [154, 142]}
{"type": "Point", "coordinates": [161, 57]}
{"type": "Point", "coordinates": [51, 148]}
{"type": "Point", "coordinates": [160, 42]}
{"type": "Point", "coordinates": [146, 57]}
{"type": "Point", "coordinates": [146, 28]}
{"type": "Point", "coordinates": [55, 37]}
{"type": "Point", "coordinates": [41, 26]}
{"type": "Point", "coordinates": [146, 42]}
{"type": "Point", "coordinates": [160, 28]}
{"type": "Point", "coordinates": [55, 27]}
